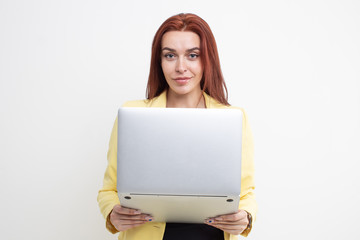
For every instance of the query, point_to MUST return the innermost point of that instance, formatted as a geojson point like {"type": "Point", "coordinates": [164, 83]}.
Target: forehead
{"type": "Point", "coordinates": [180, 40]}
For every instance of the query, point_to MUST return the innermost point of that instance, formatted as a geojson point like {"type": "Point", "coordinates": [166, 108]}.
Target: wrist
{"type": "Point", "coordinates": [109, 224]}
{"type": "Point", "coordinates": [249, 225]}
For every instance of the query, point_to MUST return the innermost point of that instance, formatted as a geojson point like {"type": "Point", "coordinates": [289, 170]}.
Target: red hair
{"type": "Point", "coordinates": [212, 81]}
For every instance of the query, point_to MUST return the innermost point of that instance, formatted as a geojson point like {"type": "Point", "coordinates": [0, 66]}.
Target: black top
{"type": "Point", "coordinates": [191, 231]}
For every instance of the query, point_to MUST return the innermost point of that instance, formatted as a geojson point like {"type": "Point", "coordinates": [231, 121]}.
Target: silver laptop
{"type": "Point", "coordinates": [179, 164]}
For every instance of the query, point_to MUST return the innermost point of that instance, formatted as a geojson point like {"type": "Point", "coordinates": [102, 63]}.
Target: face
{"type": "Point", "coordinates": [181, 63]}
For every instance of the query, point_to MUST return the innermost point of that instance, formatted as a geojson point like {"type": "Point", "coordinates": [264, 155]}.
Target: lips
{"type": "Point", "coordinates": [182, 80]}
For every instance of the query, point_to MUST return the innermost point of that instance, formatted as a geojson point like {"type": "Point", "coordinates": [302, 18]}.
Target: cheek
{"type": "Point", "coordinates": [198, 69]}
{"type": "Point", "coordinates": [165, 68]}
{"type": "Point", "coordinates": [195, 65]}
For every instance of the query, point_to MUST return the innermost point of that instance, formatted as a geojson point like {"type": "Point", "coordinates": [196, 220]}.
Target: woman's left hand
{"type": "Point", "coordinates": [234, 223]}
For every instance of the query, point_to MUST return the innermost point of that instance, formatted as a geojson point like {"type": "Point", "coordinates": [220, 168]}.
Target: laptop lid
{"type": "Point", "coordinates": [178, 154]}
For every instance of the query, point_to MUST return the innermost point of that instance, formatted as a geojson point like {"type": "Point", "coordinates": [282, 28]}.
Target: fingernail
{"type": "Point", "coordinates": [137, 212]}
{"type": "Point", "coordinates": [149, 219]}
{"type": "Point", "coordinates": [210, 221]}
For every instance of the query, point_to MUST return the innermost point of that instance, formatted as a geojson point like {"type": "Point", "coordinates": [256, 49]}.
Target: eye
{"type": "Point", "coordinates": [169, 56]}
{"type": "Point", "coordinates": [193, 55]}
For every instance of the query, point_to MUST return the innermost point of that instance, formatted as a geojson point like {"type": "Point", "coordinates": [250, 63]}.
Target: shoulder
{"type": "Point", "coordinates": [213, 103]}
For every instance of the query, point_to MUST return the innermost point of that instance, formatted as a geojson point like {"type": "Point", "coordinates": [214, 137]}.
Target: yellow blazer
{"type": "Point", "coordinates": [108, 198]}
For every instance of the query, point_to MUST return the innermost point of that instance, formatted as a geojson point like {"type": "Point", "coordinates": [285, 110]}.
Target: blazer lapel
{"type": "Point", "coordinates": [159, 101]}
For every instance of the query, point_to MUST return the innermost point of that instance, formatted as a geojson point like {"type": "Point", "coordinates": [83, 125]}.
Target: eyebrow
{"type": "Point", "coordinates": [173, 50]}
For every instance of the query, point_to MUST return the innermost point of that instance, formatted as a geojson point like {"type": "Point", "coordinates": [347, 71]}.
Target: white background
{"type": "Point", "coordinates": [66, 66]}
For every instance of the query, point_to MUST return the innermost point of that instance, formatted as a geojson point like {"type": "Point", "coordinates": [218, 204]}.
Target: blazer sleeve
{"type": "Point", "coordinates": [107, 196]}
{"type": "Point", "coordinates": [247, 195]}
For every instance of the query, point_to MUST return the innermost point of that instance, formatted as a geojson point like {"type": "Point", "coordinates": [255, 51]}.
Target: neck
{"type": "Point", "coordinates": [191, 100]}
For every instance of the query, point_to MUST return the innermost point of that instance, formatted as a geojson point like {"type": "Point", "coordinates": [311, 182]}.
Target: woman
{"type": "Point", "coordinates": [185, 72]}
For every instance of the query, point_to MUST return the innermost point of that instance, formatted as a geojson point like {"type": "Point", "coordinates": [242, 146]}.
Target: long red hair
{"type": "Point", "coordinates": [212, 81]}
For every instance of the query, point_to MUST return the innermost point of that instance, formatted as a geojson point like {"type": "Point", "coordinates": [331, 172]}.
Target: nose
{"type": "Point", "coordinates": [181, 65]}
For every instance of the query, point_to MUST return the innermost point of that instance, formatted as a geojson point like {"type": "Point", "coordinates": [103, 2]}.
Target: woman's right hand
{"type": "Point", "coordinates": [125, 218]}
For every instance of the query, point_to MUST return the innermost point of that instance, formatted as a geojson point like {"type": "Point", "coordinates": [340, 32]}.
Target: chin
{"type": "Point", "coordinates": [181, 90]}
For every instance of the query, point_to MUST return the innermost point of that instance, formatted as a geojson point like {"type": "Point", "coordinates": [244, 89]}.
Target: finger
{"type": "Point", "coordinates": [242, 221]}
{"type": "Point", "coordinates": [229, 226]}
{"type": "Point", "coordinates": [123, 210]}
{"type": "Point", "coordinates": [142, 217]}
{"type": "Point", "coordinates": [234, 231]}
{"type": "Point", "coordinates": [129, 222]}
{"type": "Point", "coordinates": [128, 226]}
{"type": "Point", "coordinates": [232, 217]}
{"type": "Point", "coordinates": [223, 221]}
{"type": "Point", "coordinates": [235, 223]}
